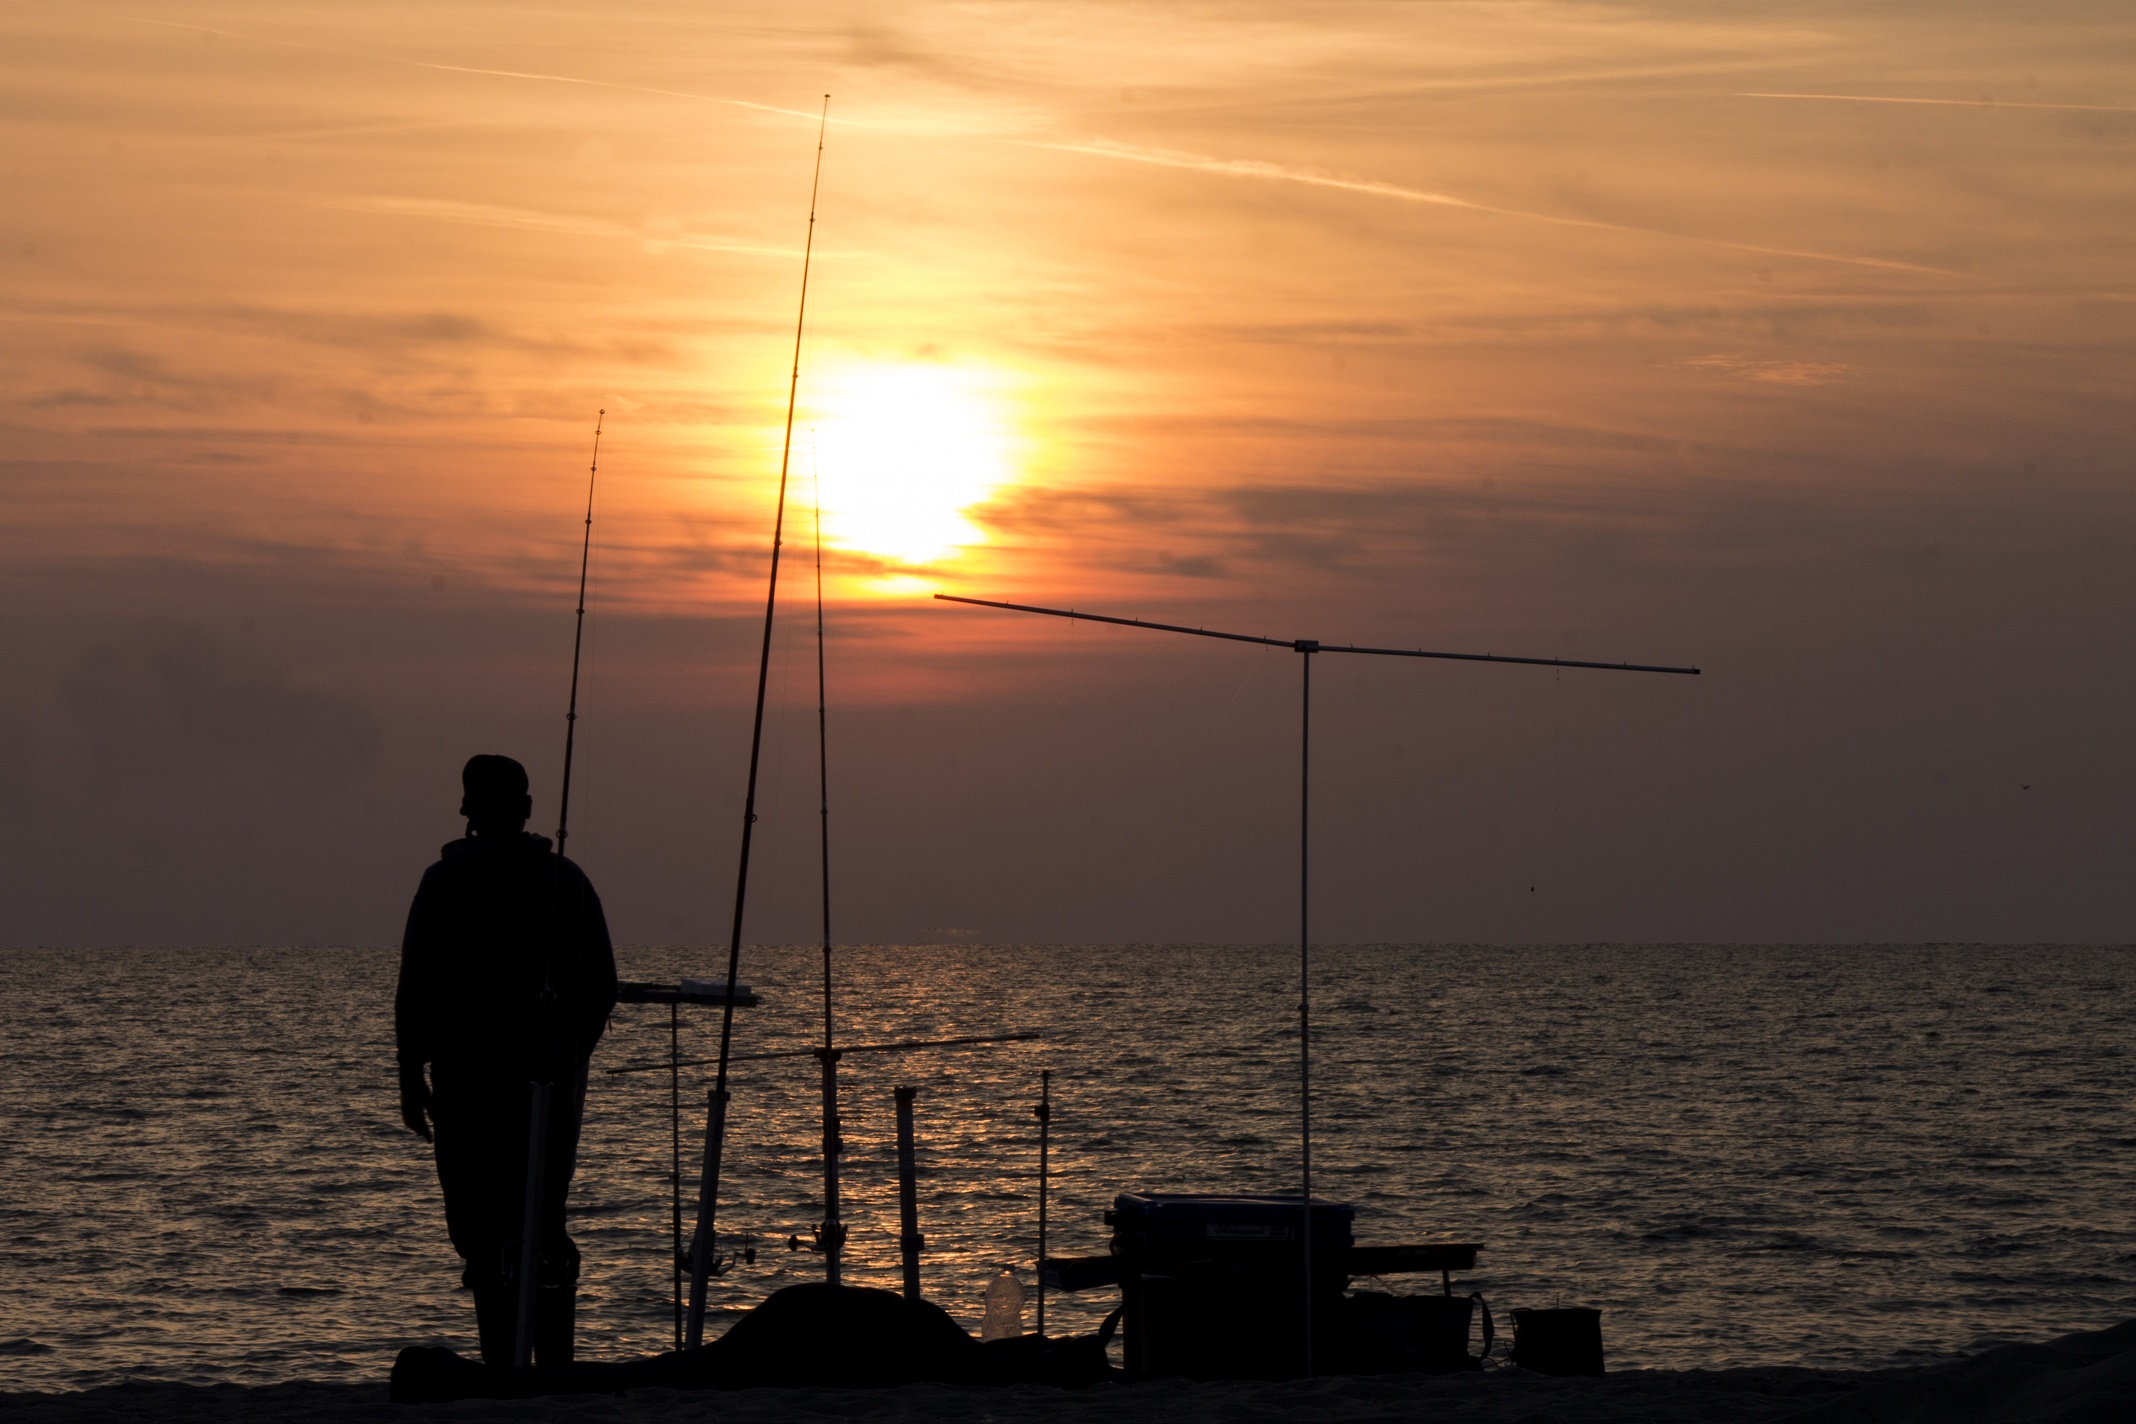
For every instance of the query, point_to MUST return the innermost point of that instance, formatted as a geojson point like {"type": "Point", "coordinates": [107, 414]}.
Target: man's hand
{"type": "Point", "coordinates": [415, 1101]}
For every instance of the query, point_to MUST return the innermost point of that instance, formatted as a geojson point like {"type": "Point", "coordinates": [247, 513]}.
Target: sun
{"type": "Point", "coordinates": [902, 453]}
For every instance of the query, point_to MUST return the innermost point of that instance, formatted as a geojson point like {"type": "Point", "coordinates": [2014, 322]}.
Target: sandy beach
{"type": "Point", "coordinates": [2079, 1379]}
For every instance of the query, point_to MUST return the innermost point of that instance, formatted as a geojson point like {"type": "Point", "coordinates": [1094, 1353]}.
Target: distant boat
{"type": "Point", "coordinates": [690, 991]}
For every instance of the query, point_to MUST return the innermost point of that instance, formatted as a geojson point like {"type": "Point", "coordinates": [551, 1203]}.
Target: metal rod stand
{"type": "Point", "coordinates": [1044, 1111]}
{"type": "Point", "coordinates": [1306, 649]}
{"type": "Point", "coordinates": [675, 1160]}
{"type": "Point", "coordinates": [833, 1232]}
{"type": "Point", "coordinates": [909, 1240]}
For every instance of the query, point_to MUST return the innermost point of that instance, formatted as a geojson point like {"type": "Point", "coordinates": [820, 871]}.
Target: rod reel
{"type": "Point", "coordinates": [722, 1262]}
{"type": "Point", "coordinates": [823, 1238]}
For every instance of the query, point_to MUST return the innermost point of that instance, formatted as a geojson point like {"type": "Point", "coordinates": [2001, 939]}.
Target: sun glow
{"type": "Point", "coordinates": [904, 453]}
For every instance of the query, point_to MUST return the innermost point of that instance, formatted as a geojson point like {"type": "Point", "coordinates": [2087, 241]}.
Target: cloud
{"type": "Point", "coordinates": [473, 69]}
{"type": "Point", "coordinates": [1783, 373]}
{"type": "Point", "coordinates": [1372, 187]}
{"type": "Point", "coordinates": [1985, 101]}
{"type": "Point", "coordinates": [166, 700]}
{"type": "Point", "coordinates": [656, 235]}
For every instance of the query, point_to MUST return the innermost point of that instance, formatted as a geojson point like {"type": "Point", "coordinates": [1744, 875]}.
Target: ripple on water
{"type": "Point", "coordinates": [1846, 1156]}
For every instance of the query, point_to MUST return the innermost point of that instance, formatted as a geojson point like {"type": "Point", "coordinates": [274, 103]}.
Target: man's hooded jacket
{"type": "Point", "coordinates": [486, 920]}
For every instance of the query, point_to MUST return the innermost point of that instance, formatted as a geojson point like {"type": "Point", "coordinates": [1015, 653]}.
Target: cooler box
{"type": "Point", "coordinates": [1213, 1285]}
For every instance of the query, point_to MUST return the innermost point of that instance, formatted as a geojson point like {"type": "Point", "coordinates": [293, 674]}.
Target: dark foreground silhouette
{"type": "Point", "coordinates": [506, 976]}
{"type": "Point", "coordinates": [841, 1337]}
{"type": "Point", "coordinates": [2079, 1379]}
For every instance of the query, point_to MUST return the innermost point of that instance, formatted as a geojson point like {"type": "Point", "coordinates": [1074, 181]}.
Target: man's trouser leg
{"type": "Point", "coordinates": [481, 1123]}
{"type": "Point", "coordinates": [556, 1294]}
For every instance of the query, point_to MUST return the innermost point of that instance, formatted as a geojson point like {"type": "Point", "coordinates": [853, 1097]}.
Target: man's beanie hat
{"type": "Point", "coordinates": [492, 783]}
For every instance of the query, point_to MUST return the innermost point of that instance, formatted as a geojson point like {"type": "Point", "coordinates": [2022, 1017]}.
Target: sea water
{"type": "Point", "coordinates": [1743, 1155]}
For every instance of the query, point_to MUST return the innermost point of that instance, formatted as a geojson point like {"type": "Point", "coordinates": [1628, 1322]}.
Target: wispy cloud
{"type": "Point", "coordinates": [1780, 373]}
{"type": "Point", "coordinates": [528, 220]}
{"type": "Point", "coordinates": [1319, 178]}
{"type": "Point", "coordinates": [1983, 102]}
{"type": "Point", "coordinates": [1102, 148]}
{"type": "Point", "coordinates": [475, 69]}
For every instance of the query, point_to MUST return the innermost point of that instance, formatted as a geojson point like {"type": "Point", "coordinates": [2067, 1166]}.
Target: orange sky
{"type": "Point", "coordinates": [1795, 335]}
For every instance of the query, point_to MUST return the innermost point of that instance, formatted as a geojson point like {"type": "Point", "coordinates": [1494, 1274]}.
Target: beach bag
{"type": "Point", "coordinates": [1565, 1341]}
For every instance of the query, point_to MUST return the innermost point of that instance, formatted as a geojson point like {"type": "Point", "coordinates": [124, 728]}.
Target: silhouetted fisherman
{"type": "Point", "coordinates": [488, 917]}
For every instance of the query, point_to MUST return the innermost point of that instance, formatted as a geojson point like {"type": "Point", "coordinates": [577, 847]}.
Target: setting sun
{"type": "Point", "coordinates": [903, 453]}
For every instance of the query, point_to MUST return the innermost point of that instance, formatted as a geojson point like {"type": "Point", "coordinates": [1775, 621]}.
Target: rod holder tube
{"type": "Point", "coordinates": [833, 1149]}
{"type": "Point", "coordinates": [704, 1242]}
{"type": "Point", "coordinates": [1306, 648]}
{"type": "Point", "coordinates": [675, 1162]}
{"type": "Point", "coordinates": [909, 1240]}
{"type": "Point", "coordinates": [1045, 1182]}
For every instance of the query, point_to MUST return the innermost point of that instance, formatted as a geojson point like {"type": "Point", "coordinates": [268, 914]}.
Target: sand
{"type": "Point", "coordinates": [2080, 1379]}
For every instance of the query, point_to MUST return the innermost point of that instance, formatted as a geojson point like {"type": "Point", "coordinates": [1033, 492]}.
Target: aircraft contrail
{"type": "Point", "coordinates": [471, 69]}
{"type": "Point", "coordinates": [1257, 168]}
{"type": "Point", "coordinates": [1949, 103]}
{"type": "Point", "coordinates": [1168, 158]}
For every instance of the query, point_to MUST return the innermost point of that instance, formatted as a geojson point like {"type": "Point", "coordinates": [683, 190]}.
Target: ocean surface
{"type": "Point", "coordinates": [1847, 1156]}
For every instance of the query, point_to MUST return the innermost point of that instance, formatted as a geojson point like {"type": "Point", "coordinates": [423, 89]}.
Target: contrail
{"type": "Point", "coordinates": [1950, 103]}
{"type": "Point", "coordinates": [1275, 172]}
{"type": "Point", "coordinates": [1168, 158]}
{"type": "Point", "coordinates": [471, 69]}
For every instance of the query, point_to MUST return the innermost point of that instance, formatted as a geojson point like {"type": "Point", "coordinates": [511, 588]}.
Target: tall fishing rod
{"type": "Point", "coordinates": [578, 642]}
{"type": "Point", "coordinates": [539, 1099]}
{"type": "Point", "coordinates": [823, 749]}
{"type": "Point", "coordinates": [1307, 648]}
{"type": "Point", "coordinates": [832, 1235]}
{"type": "Point", "coordinates": [706, 1243]}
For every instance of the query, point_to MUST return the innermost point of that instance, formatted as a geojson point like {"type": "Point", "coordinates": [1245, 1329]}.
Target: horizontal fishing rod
{"type": "Point", "coordinates": [1308, 645]}
{"type": "Point", "coordinates": [817, 1052]}
{"type": "Point", "coordinates": [1306, 648]}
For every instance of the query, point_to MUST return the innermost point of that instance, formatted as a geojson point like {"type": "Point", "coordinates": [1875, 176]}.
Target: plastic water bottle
{"type": "Point", "coordinates": [1004, 1308]}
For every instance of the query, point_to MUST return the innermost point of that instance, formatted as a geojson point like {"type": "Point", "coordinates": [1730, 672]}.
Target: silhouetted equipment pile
{"type": "Point", "coordinates": [1210, 1289]}
{"type": "Point", "coordinates": [815, 1335]}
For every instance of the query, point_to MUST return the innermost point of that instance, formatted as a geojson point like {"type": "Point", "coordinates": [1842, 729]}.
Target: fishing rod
{"type": "Point", "coordinates": [831, 1235]}
{"type": "Point", "coordinates": [578, 642]}
{"type": "Point", "coordinates": [1306, 648]}
{"type": "Point", "coordinates": [702, 1248]}
{"type": "Point", "coordinates": [540, 1090]}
